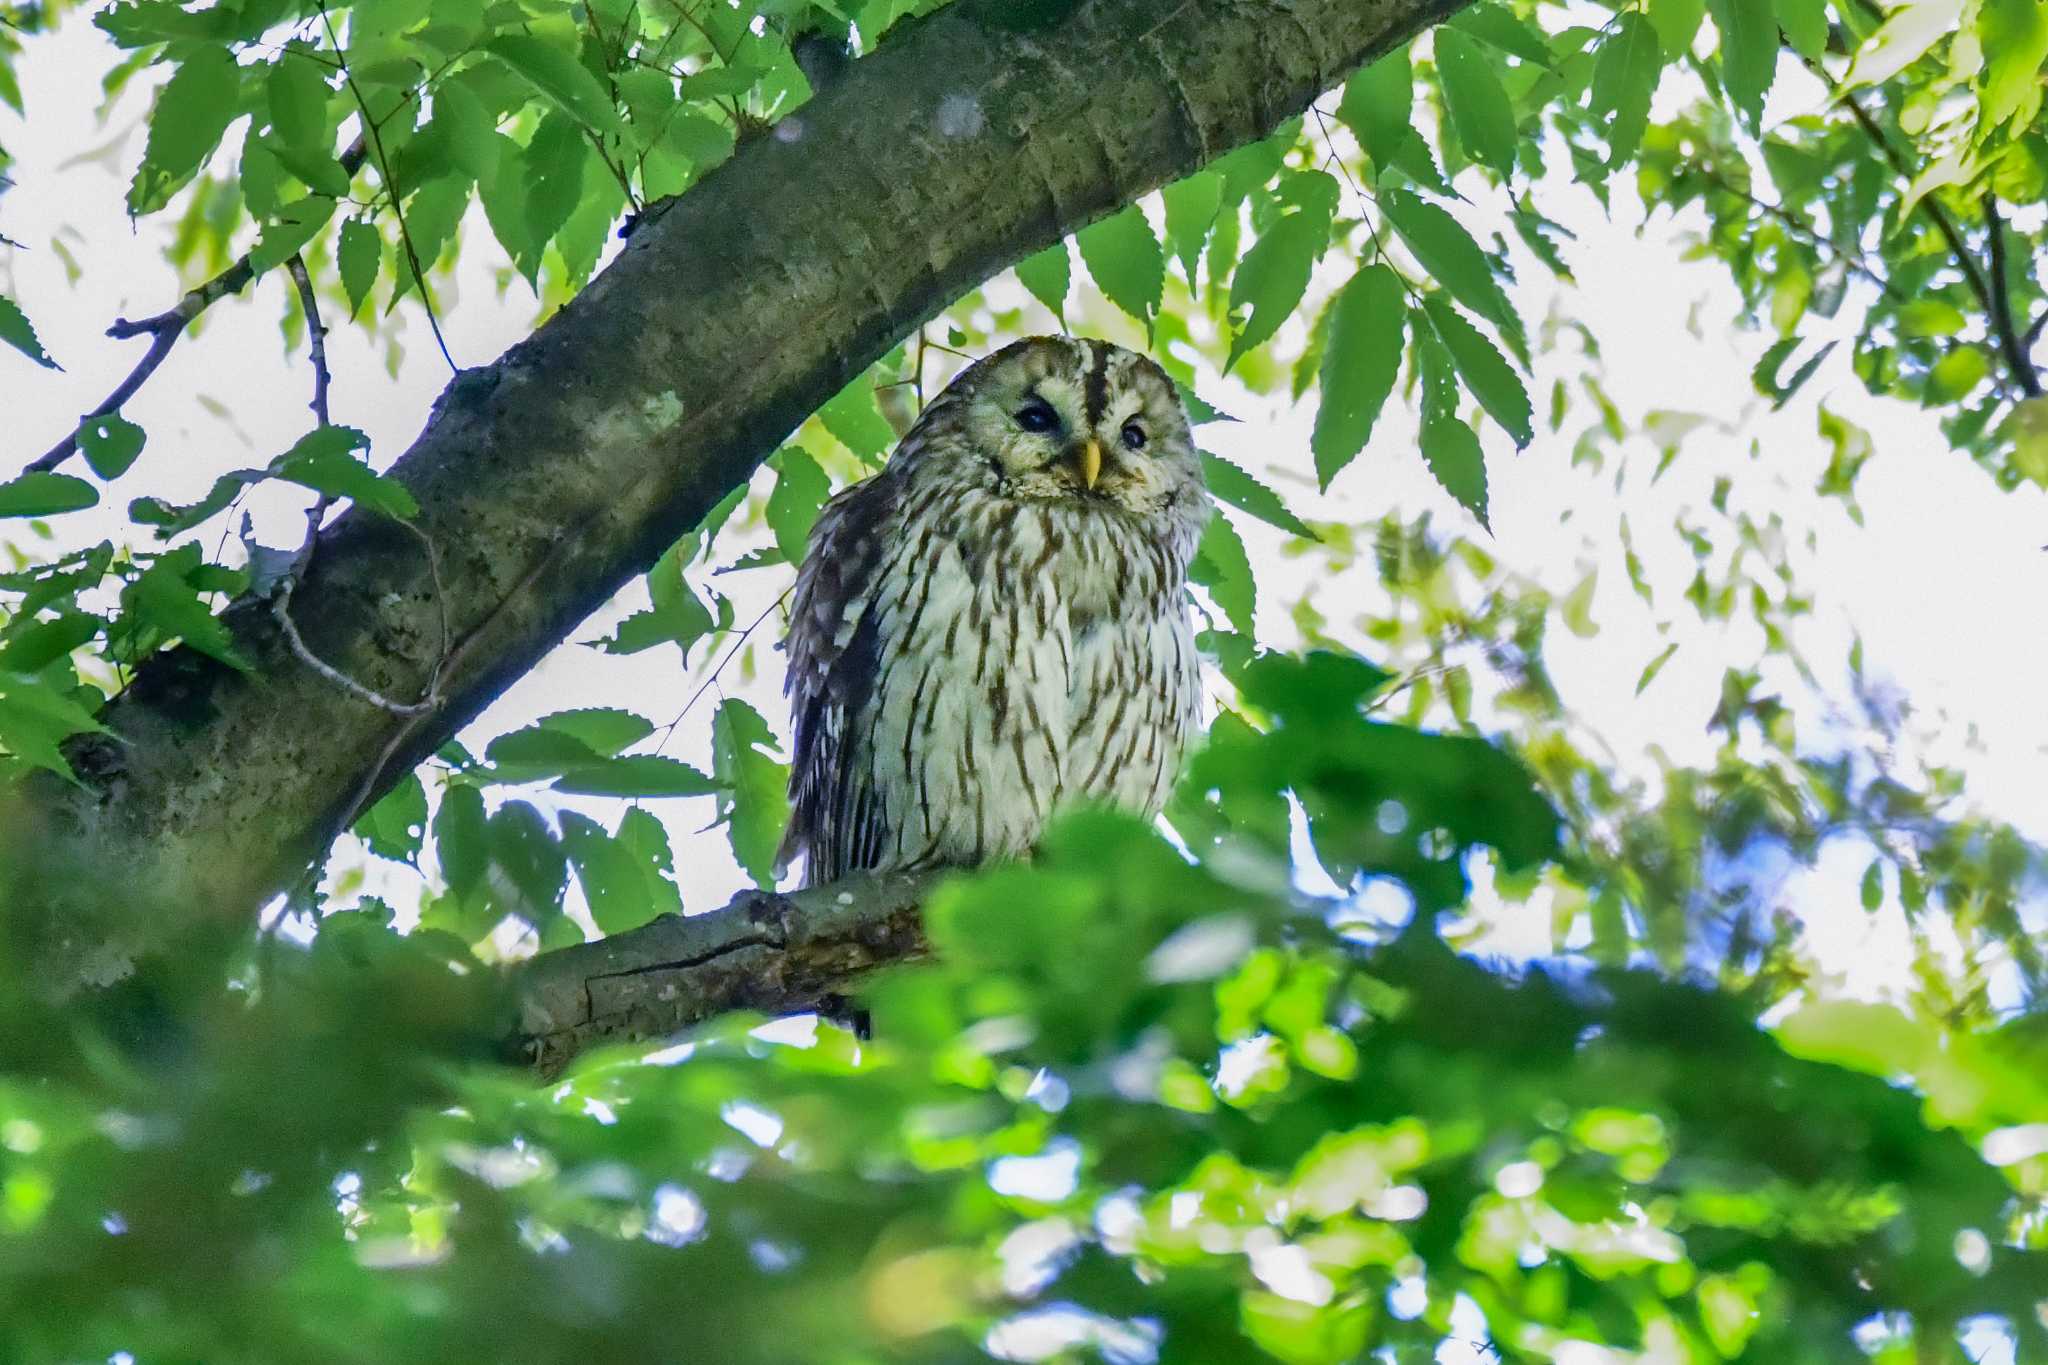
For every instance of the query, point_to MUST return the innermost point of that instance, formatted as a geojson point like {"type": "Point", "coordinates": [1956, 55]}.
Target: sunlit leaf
{"type": "Point", "coordinates": [1125, 261]}
{"type": "Point", "coordinates": [1360, 364]}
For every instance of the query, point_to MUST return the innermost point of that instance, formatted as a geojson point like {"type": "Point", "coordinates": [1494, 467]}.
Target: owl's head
{"type": "Point", "coordinates": [1071, 420]}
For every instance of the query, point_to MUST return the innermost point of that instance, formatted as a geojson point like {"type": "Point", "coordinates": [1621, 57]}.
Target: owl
{"type": "Point", "coordinates": [995, 625]}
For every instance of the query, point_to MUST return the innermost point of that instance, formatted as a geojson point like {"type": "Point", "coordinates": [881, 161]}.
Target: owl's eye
{"type": "Point", "coordinates": [1037, 417]}
{"type": "Point", "coordinates": [1134, 436]}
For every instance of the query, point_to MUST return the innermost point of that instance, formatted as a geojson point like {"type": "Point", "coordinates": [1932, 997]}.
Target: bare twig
{"type": "Point", "coordinates": [2016, 353]}
{"type": "Point", "coordinates": [764, 950]}
{"type": "Point", "coordinates": [316, 335]}
{"type": "Point", "coordinates": [164, 329]}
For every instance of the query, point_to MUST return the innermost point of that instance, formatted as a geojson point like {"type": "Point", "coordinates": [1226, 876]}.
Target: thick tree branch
{"type": "Point", "coordinates": [163, 329]}
{"type": "Point", "coordinates": [550, 477]}
{"type": "Point", "coordinates": [776, 953]}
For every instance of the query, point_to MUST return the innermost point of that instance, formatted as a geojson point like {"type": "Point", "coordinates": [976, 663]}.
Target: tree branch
{"type": "Point", "coordinates": [776, 952]}
{"type": "Point", "coordinates": [2001, 304]}
{"type": "Point", "coordinates": [164, 329]}
{"type": "Point", "coordinates": [551, 476]}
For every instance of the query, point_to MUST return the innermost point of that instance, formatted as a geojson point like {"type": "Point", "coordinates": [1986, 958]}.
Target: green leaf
{"type": "Point", "coordinates": [1498, 25]}
{"type": "Point", "coordinates": [1925, 317]}
{"type": "Point", "coordinates": [357, 257]}
{"type": "Point", "coordinates": [626, 876]}
{"type": "Point", "coordinates": [171, 519]}
{"type": "Point", "coordinates": [1448, 445]}
{"type": "Point", "coordinates": [2014, 37]}
{"type": "Point", "coordinates": [41, 493]}
{"type": "Point", "coordinates": [801, 488]}
{"type": "Point", "coordinates": [526, 852]}
{"type": "Point", "coordinates": [296, 90]}
{"type": "Point", "coordinates": [1624, 78]}
{"type": "Point", "coordinates": [1191, 207]}
{"type": "Point", "coordinates": [1478, 105]}
{"type": "Point", "coordinates": [637, 775]}
{"type": "Point", "coordinates": [856, 421]}
{"type": "Point", "coordinates": [1238, 488]}
{"type": "Point", "coordinates": [1222, 566]}
{"type": "Point", "coordinates": [396, 826]}
{"type": "Point", "coordinates": [38, 644]}
{"type": "Point", "coordinates": [754, 800]}
{"type": "Point", "coordinates": [1485, 371]}
{"type": "Point", "coordinates": [1124, 259]}
{"type": "Point", "coordinates": [1048, 274]}
{"type": "Point", "coordinates": [192, 112]}
{"type": "Point", "coordinates": [1360, 365]}
{"type": "Point", "coordinates": [459, 838]}
{"type": "Point", "coordinates": [556, 73]}
{"type": "Point", "coordinates": [1805, 23]}
{"type": "Point", "coordinates": [1273, 277]}
{"type": "Point", "coordinates": [110, 444]}
{"type": "Point", "coordinates": [1677, 23]}
{"type": "Point", "coordinates": [1378, 104]}
{"type": "Point", "coordinates": [324, 461]}
{"type": "Point", "coordinates": [1873, 885]}
{"type": "Point", "coordinates": [601, 729]}
{"type": "Point", "coordinates": [16, 331]}
{"type": "Point", "coordinates": [1912, 29]}
{"type": "Point", "coordinates": [677, 617]}
{"type": "Point", "coordinates": [1749, 53]}
{"type": "Point", "coordinates": [1954, 375]}
{"type": "Point", "coordinates": [1451, 257]}
{"type": "Point", "coordinates": [165, 600]}
{"type": "Point", "coordinates": [294, 225]}
{"type": "Point", "coordinates": [36, 719]}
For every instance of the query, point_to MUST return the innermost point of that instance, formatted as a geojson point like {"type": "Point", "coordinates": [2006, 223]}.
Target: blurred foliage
{"type": "Point", "coordinates": [1262, 1090]}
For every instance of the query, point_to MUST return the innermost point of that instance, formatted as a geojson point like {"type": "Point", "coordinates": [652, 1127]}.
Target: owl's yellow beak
{"type": "Point", "coordinates": [1088, 462]}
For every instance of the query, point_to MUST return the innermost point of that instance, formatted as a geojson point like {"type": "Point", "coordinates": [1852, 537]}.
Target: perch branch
{"type": "Point", "coordinates": [777, 952]}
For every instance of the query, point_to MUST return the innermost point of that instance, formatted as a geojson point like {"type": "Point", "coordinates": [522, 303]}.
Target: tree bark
{"type": "Point", "coordinates": [767, 951]}
{"type": "Point", "coordinates": [547, 479]}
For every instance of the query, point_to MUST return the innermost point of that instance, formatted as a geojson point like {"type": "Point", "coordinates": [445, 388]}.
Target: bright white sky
{"type": "Point", "coordinates": [1943, 581]}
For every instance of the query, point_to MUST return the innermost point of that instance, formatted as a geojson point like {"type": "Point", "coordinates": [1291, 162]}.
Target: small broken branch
{"type": "Point", "coordinates": [776, 952]}
{"type": "Point", "coordinates": [164, 329]}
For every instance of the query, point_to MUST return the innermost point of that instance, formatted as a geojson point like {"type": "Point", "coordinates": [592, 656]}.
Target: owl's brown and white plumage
{"type": "Point", "coordinates": [995, 625]}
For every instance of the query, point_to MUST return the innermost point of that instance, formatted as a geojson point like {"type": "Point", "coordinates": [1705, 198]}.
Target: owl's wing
{"type": "Point", "coordinates": [835, 821]}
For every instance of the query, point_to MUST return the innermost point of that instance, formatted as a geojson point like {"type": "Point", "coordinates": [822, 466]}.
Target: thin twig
{"type": "Point", "coordinates": [2001, 304]}
{"type": "Point", "coordinates": [316, 333]}
{"type": "Point", "coordinates": [670, 729]}
{"type": "Point", "coordinates": [1850, 256]}
{"type": "Point", "coordinates": [164, 329]}
{"type": "Point", "coordinates": [412, 256]}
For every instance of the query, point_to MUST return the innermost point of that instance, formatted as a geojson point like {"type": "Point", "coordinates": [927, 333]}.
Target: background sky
{"type": "Point", "coordinates": [1945, 581]}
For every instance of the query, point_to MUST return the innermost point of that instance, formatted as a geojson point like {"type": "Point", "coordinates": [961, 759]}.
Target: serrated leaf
{"type": "Point", "coordinates": [1222, 566]}
{"type": "Point", "coordinates": [1677, 23]}
{"type": "Point", "coordinates": [1478, 105]}
{"type": "Point", "coordinates": [40, 493]}
{"type": "Point", "coordinates": [1449, 447]}
{"type": "Point", "coordinates": [18, 332]}
{"type": "Point", "coordinates": [1233, 485]}
{"type": "Point", "coordinates": [1498, 25]}
{"type": "Point", "coordinates": [459, 838]}
{"type": "Point", "coordinates": [801, 488]}
{"type": "Point", "coordinates": [1749, 54]}
{"type": "Point", "coordinates": [1805, 23]}
{"type": "Point", "coordinates": [1360, 364]}
{"type": "Point", "coordinates": [1378, 104]}
{"type": "Point", "coordinates": [1273, 277]}
{"type": "Point", "coordinates": [110, 444]}
{"type": "Point", "coordinates": [360, 253]}
{"type": "Point", "coordinates": [165, 600]}
{"type": "Point", "coordinates": [396, 826]}
{"type": "Point", "coordinates": [37, 644]}
{"type": "Point", "coordinates": [556, 73]}
{"type": "Point", "coordinates": [296, 90]}
{"type": "Point", "coordinates": [294, 225]}
{"type": "Point", "coordinates": [1048, 274]}
{"type": "Point", "coordinates": [754, 802]}
{"type": "Point", "coordinates": [639, 776]}
{"type": "Point", "coordinates": [171, 519]}
{"type": "Point", "coordinates": [625, 877]}
{"type": "Point", "coordinates": [192, 112]}
{"type": "Point", "coordinates": [1485, 371]}
{"type": "Point", "coordinates": [1199, 409]}
{"type": "Point", "coordinates": [1450, 255]}
{"type": "Point", "coordinates": [1126, 263]}
{"type": "Point", "coordinates": [1191, 207]}
{"type": "Point", "coordinates": [1624, 78]}
{"type": "Point", "coordinates": [529, 856]}
{"type": "Point", "coordinates": [855, 420]}
{"type": "Point", "coordinates": [324, 460]}
{"type": "Point", "coordinates": [36, 719]}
